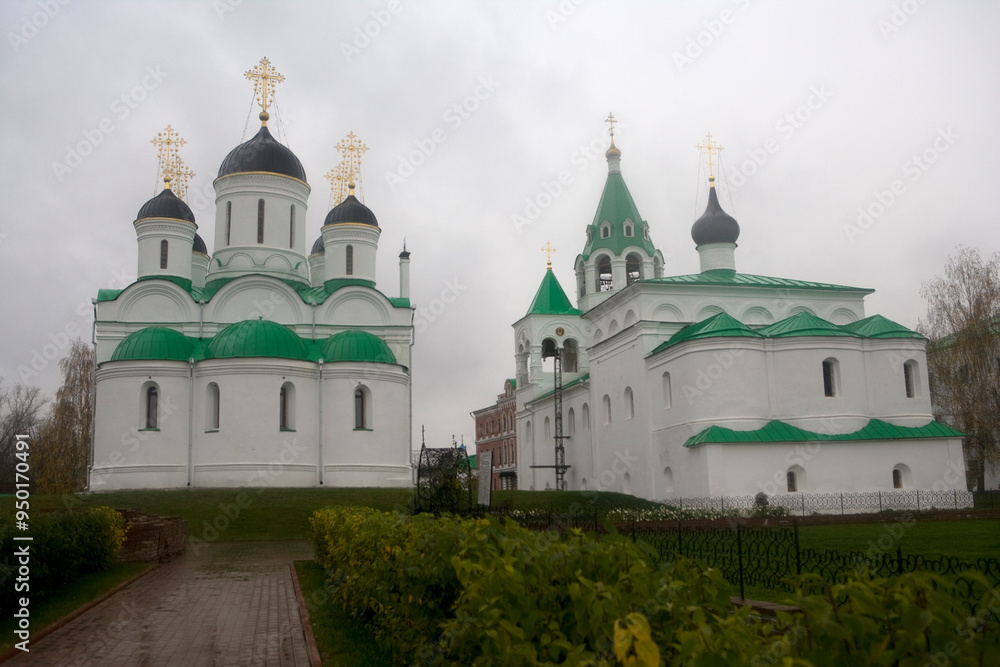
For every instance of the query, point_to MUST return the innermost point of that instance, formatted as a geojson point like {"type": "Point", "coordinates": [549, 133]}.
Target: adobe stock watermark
{"type": "Point", "coordinates": [454, 116]}
{"type": "Point", "coordinates": [363, 35]}
{"type": "Point", "coordinates": [45, 11]}
{"type": "Point", "coordinates": [122, 107]}
{"type": "Point", "coordinates": [449, 294]}
{"type": "Point", "coordinates": [706, 377]}
{"type": "Point", "coordinates": [786, 127]}
{"type": "Point", "coordinates": [899, 17]}
{"type": "Point", "coordinates": [562, 12]}
{"type": "Point", "coordinates": [913, 168]}
{"type": "Point", "coordinates": [704, 39]}
{"type": "Point", "coordinates": [550, 190]}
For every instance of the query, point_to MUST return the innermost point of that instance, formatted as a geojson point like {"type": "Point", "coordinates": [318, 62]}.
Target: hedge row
{"type": "Point", "coordinates": [448, 591]}
{"type": "Point", "coordinates": [64, 546]}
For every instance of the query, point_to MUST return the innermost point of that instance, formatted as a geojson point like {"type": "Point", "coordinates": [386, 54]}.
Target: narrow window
{"type": "Point", "coordinates": [603, 274]}
{"type": "Point", "coordinates": [572, 423]}
{"type": "Point", "coordinates": [633, 268]}
{"type": "Point", "coordinates": [897, 479]}
{"type": "Point", "coordinates": [830, 377]}
{"type": "Point", "coordinates": [283, 408]}
{"type": "Point", "coordinates": [666, 391]}
{"type": "Point", "coordinates": [605, 232]}
{"type": "Point", "coordinates": [607, 409]}
{"type": "Point", "coordinates": [260, 221]}
{"type": "Point", "coordinates": [585, 418]}
{"type": "Point", "coordinates": [350, 260]}
{"type": "Point", "coordinates": [286, 407]}
{"type": "Point", "coordinates": [212, 407]}
{"type": "Point", "coordinates": [791, 482]}
{"type": "Point", "coordinates": [151, 407]}
{"type": "Point", "coordinates": [910, 378]}
{"type": "Point", "coordinates": [229, 221]}
{"type": "Point", "coordinates": [163, 254]}
{"type": "Point", "coordinates": [359, 408]}
{"type": "Point", "coordinates": [629, 403]}
{"type": "Point", "coordinates": [291, 227]}
{"type": "Point", "coordinates": [628, 230]}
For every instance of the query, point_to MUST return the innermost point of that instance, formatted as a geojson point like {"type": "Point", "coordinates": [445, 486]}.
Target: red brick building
{"type": "Point", "coordinates": [496, 432]}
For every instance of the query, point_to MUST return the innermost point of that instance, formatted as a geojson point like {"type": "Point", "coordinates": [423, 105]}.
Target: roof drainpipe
{"type": "Point", "coordinates": [319, 447]}
{"type": "Point", "coordinates": [190, 463]}
{"type": "Point", "coordinates": [93, 399]}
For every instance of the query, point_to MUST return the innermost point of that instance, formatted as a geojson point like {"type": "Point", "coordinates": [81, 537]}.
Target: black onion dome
{"type": "Point", "coordinates": [318, 247]}
{"type": "Point", "coordinates": [351, 210]}
{"type": "Point", "coordinates": [262, 153]}
{"type": "Point", "coordinates": [166, 205]}
{"type": "Point", "coordinates": [199, 245]}
{"type": "Point", "coordinates": [715, 225]}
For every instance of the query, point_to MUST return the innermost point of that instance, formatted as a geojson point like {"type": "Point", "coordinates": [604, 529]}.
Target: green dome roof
{"type": "Point", "coordinates": [357, 346]}
{"type": "Point", "coordinates": [154, 343]}
{"type": "Point", "coordinates": [257, 338]}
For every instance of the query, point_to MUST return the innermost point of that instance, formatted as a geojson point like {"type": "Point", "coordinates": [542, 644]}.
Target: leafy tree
{"type": "Point", "coordinates": [62, 452]}
{"type": "Point", "coordinates": [20, 414]}
{"type": "Point", "coordinates": [963, 357]}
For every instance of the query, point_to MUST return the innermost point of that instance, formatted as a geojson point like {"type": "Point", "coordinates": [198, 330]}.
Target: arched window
{"type": "Point", "coordinates": [359, 408]}
{"type": "Point", "coordinates": [570, 356]}
{"type": "Point", "coordinates": [152, 407]}
{"type": "Point", "coordinates": [910, 378]}
{"type": "Point", "coordinates": [627, 483]}
{"type": "Point", "coordinates": [901, 476]}
{"type": "Point", "coordinates": [260, 221]}
{"type": "Point", "coordinates": [897, 479]}
{"type": "Point", "coordinates": [571, 418]}
{"type": "Point", "coordinates": [666, 391]}
{"type": "Point", "coordinates": [212, 407]}
{"type": "Point", "coordinates": [607, 409]}
{"type": "Point", "coordinates": [668, 480]}
{"type": "Point", "coordinates": [831, 381]}
{"type": "Point", "coordinates": [604, 280]}
{"type": "Point", "coordinates": [229, 221]}
{"type": "Point", "coordinates": [581, 280]}
{"type": "Point", "coordinates": [163, 254]}
{"type": "Point", "coordinates": [629, 403]}
{"type": "Point", "coordinates": [585, 417]}
{"type": "Point", "coordinates": [350, 260]}
{"type": "Point", "coordinates": [795, 479]}
{"type": "Point", "coordinates": [291, 227]}
{"type": "Point", "coordinates": [605, 231]}
{"type": "Point", "coordinates": [633, 268]}
{"type": "Point", "coordinates": [791, 481]}
{"type": "Point", "coordinates": [628, 230]}
{"type": "Point", "coordinates": [286, 407]}
{"type": "Point", "coordinates": [548, 430]}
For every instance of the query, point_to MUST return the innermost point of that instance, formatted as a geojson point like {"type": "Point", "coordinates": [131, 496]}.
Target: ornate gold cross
{"type": "Point", "coordinates": [611, 124]}
{"type": "Point", "coordinates": [548, 250]}
{"type": "Point", "coordinates": [264, 78]}
{"type": "Point", "coordinates": [167, 142]}
{"type": "Point", "coordinates": [709, 147]}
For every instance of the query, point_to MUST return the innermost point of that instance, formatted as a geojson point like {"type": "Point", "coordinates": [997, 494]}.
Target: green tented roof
{"type": "Point", "coordinates": [804, 324]}
{"type": "Point", "coordinates": [616, 206]}
{"type": "Point", "coordinates": [718, 325]}
{"type": "Point", "coordinates": [730, 277]}
{"type": "Point", "coordinates": [550, 299]}
{"type": "Point", "coordinates": [877, 326]}
{"type": "Point", "coordinates": [356, 346]}
{"type": "Point", "coordinates": [513, 382]}
{"type": "Point", "coordinates": [155, 343]}
{"type": "Point", "coordinates": [257, 338]}
{"type": "Point", "coordinates": [778, 431]}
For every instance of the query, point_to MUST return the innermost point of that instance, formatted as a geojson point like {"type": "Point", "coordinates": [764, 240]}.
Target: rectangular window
{"type": "Point", "coordinates": [829, 382]}
{"type": "Point", "coordinates": [163, 254]}
{"type": "Point", "coordinates": [260, 221]}
{"type": "Point", "coordinates": [350, 261]}
{"type": "Point", "coordinates": [291, 228]}
{"type": "Point", "coordinates": [229, 221]}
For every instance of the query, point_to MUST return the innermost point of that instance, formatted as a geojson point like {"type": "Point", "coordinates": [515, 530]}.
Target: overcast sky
{"type": "Point", "coordinates": [472, 112]}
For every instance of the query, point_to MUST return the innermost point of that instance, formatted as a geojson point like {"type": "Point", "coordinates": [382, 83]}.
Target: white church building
{"type": "Point", "coordinates": [267, 362]}
{"type": "Point", "coordinates": [718, 383]}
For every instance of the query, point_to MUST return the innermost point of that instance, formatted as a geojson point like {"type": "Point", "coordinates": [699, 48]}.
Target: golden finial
{"type": "Point", "coordinates": [611, 125]}
{"type": "Point", "coordinates": [167, 142]}
{"type": "Point", "coordinates": [338, 184]}
{"type": "Point", "coordinates": [548, 250]}
{"type": "Point", "coordinates": [264, 78]}
{"type": "Point", "coordinates": [709, 147]}
{"type": "Point", "coordinates": [181, 174]}
{"type": "Point", "coordinates": [343, 177]}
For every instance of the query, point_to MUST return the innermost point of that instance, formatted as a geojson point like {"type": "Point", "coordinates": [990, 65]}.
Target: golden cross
{"type": "Point", "coordinates": [167, 142]}
{"type": "Point", "coordinates": [611, 124]}
{"type": "Point", "coordinates": [548, 250]}
{"type": "Point", "coordinates": [338, 183]}
{"type": "Point", "coordinates": [708, 147]}
{"type": "Point", "coordinates": [351, 149]}
{"type": "Point", "coordinates": [264, 79]}
{"type": "Point", "coordinates": [181, 174]}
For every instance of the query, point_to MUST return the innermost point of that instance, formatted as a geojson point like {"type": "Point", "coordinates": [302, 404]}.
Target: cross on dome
{"type": "Point", "coordinates": [709, 147]}
{"type": "Point", "coordinates": [167, 142]}
{"type": "Point", "coordinates": [264, 78]}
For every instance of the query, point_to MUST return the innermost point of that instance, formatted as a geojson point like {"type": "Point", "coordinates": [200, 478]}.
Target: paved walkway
{"type": "Point", "coordinates": [228, 604]}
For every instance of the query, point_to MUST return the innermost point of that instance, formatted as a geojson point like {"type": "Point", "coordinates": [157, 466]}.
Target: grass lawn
{"type": "Point", "coordinates": [967, 540]}
{"type": "Point", "coordinates": [343, 641]}
{"type": "Point", "coordinates": [48, 610]}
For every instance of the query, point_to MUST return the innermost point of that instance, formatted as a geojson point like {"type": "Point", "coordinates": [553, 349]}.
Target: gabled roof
{"type": "Point", "coordinates": [877, 326]}
{"type": "Point", "coordinates": [731, 278]}
{"type": "Point", "coordinates": [804, 324]}
{"type": "Point", "coordinates": [617, 206]}
{"type": "Point", "coordinates": [550, 299]}
{"type": "Point", "coordinates": [779, 431]}
{"type": "Point", "coordinates": [718, 325]}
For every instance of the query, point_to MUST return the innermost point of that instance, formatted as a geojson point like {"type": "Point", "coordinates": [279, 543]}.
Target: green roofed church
{"type": "Point", "coordinates": [269, 361]}
{"type": "Point", "coordinates": [718, 383]}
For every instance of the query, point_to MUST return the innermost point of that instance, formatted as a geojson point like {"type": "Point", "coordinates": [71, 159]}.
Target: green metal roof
{"type": "Point", "coordinates": [616, 206]}
{"type": "Point", "coordinates": [566, 385]}
{"type": "Point", "coordinates": [257, 338]}
{"type": "Point", "coordinates": [778, 431]}
{"type": "Point", "coordinates": [550, 299]}
{"type": "Point", "coordinates": [718, 325]}
{"type": "Point", "coordinates": [877, 326]}
{"type": "Point", "coordinates": [155, 343]}
{"type": "Point", "coordinates": [731, 278]}
{"type": "Point", "coordinates": [804, 324]}
{"type": "Point", "coordinates": [356, 346]}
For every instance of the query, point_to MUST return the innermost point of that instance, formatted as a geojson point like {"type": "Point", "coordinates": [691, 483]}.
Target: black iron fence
{"type": "Point", "coordinates": [804, 504]}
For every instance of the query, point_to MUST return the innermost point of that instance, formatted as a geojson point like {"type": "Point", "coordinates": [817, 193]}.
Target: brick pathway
{"type": "Point", "coordinates": [228, 604]}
